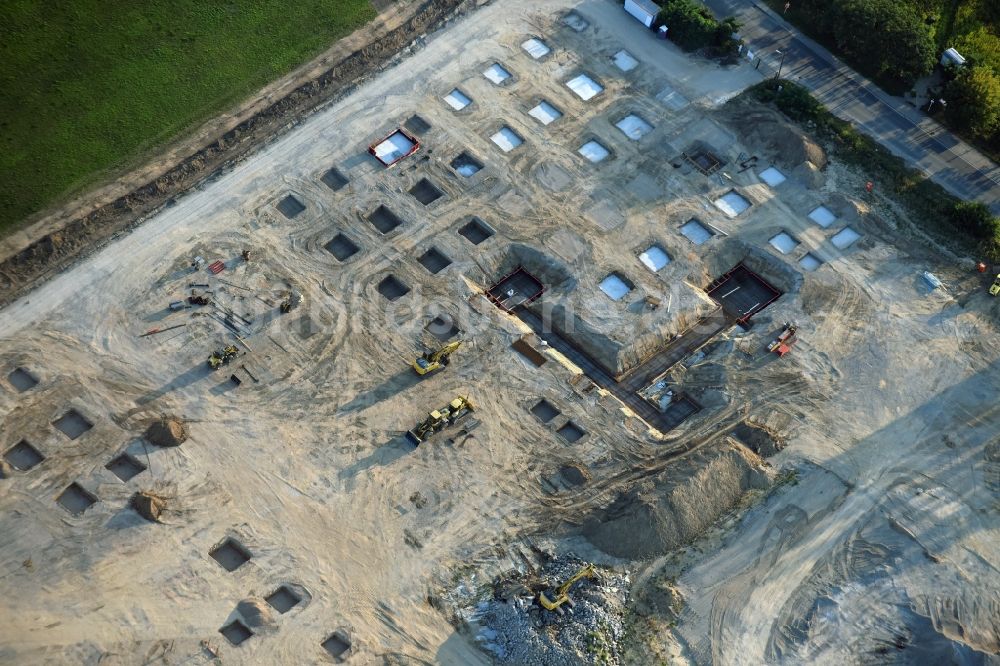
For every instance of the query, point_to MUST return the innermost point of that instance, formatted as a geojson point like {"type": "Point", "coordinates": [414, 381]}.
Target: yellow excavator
{"type": "Point", "coordinates": [430, 361]}
{"type": "Point", "coordinates": [440, 419]}
{"type": "Point", "coordinates": [995, 287]}
{"type": "Point", "coordinates": [562, 592]}
{"type": "Point", "coordinates": [222, 357]}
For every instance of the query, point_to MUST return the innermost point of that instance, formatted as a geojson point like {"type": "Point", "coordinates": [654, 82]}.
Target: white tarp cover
{"type": "Point", "coordinates": [584, 86]}
{"type": "Point", "coordinates": [732, 203]}
{"type": "Point", "coordinates": [783, 243]}
{"type": "Point", "coordinates": [496, 73]}
{"type": "Point", "coordinates": [810, 262]}
{"type": "Point", "coordinates": [594, 151]}
{"type": "Point", "coordinates": [634, 127]}
{"type": "Point", "coordinates": [822, 216]}
{"type": "Point", "coordinates": [467, 169]}
{"type": "Point", "coordinates": [536, 48]}
{"type": "Point", "coordinates": [457, 100]}
{"type": "Point", "coordinates": [507, 139]}
{"type": "Point", "coordinates": [844, 238]}
{"type": "Point", "coordinates": [772, 176]}
{"type": "Point", "coordinates": [644, 11]}
{"type": "Point", "coordinates": [696, 232]}
{"type": "Point", "coordinates": [625, 61]}
{"type": "Point", "coordinates": [654, 257]}
{"type": "Point", "coordinates": [545, 113]}
{"type": "Point", "coordinates": [615, 287]}
{"type": "Point", "coordinates": [393, 148]}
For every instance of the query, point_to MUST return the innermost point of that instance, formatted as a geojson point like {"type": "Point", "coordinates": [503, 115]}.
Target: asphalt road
{"type": "Point", "coordinates": [892, 121]}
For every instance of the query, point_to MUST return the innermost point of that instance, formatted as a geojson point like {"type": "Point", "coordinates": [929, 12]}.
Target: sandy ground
{"type": "Point", "coordinates": [888, 402]}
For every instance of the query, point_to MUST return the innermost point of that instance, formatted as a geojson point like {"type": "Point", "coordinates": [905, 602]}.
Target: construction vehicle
{"type": "Point", "coordinates": [430, 361]}
{"type": "Point", "coordinates": [995, 287]}
{"type": "Point", "coordinates": [783, 343]}
{"type": "Point", "coordinates": [561, 595]}
{"type": "Point", "coordinates": [440, 419]}
{"type": "Point", "coordinates": [222, 357]}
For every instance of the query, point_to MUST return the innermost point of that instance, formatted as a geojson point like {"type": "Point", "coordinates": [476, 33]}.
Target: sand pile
{"type": "Point", "coordinates": [148, 505]}
{"type": "Point", "coordinates": [168, 431]}
{"type": "Point", "coordinates": [673, 507]}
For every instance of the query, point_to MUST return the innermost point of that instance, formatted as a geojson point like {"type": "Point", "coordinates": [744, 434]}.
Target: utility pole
{"type": "Point", "coordinates": [780, 64]}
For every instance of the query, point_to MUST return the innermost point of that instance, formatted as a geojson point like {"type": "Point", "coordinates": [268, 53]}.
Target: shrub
{"type": "Point", "coordinates": [693, 27]}
{"type": "Point", "coordinates": [974, 101]}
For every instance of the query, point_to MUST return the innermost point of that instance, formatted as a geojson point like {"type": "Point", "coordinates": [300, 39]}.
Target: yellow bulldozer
{"type": "Point", "coordinates": [995, 287]}
{"type": "Point", "coordinates": [561, 594]}
{"type": "Point", "coordinates": [430, 361]}
{"type": "Point", "coordinates": [440, 419]}
{"type": "Point", "coordinates": [222, 357]}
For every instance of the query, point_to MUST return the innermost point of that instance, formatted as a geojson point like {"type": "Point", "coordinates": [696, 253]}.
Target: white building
{"type": "Point", "coordinates": [644, 11]}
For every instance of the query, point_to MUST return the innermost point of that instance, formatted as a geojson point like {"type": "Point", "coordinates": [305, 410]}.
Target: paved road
{"type": "Point", "coordinates": [896, 124]}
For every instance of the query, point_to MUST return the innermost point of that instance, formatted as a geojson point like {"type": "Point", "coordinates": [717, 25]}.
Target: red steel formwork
{"type": "Point", "coordinates": [373, 149]}
{"type": "Point", "coordinates": [519, 287]}
{"type": "Point", "coordinates": [742, 293]}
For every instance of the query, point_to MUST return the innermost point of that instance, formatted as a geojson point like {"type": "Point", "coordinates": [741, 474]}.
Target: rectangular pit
{"type": "Point", "coordinates": [545, 411]}
{"type": "Point", "coordinates": [585, 87]}
{"type": "Point", "coordinates": [507, 139]}
{"type": "Point", "coordinates": [417, 125]}
{"type": "Point", "coordinates": [515, 289]}
{"type": "Point", "coordinates": [337, 645]}
{"type": "Point", "coordinates": [72, 424]}
{"type": "Point", "coordinates": [742, 293]}
{"type": "Point", "coordinates": [545, 113]}
{"type": "Point", "coordinates": [810, 262]}
{"type": "Point", "coordinates": [23, 456]}
{"type": "Point", "coordinates": [524, 348]}
{"type": "Point", "coordinates": [434, 260]}
{"type": "Point", "coordinates": [393, 288]}
{"type": "Point", "coordinates": [772, 177]}
{"type": "Point", "coordinates": [466, 165]}
{"type": "Point", "coordinates": [475, 231]}
{"type": "Point", "coordinates": [125, 467]}
{"type": "Point", "coordinates": [784, 242]}
{"type": "Point", "coordinates": [230, 554]}
{"type": "Point", "coordinates": [732, 203]}
{"type": "Point", "coordinates": [497, 74]}
{"type": "Point", "coordinates": [571, 432]}
{"type": "Point", "coordinates": [576, 22]}
{"type": "Point", "coordinates": [394, 147]}
{"type": "Point", "coordinates": [291, 207]}
{"type": "Point", "coordinates": [536, 48]}
{"type": "Point", "coordinates": [625, 61]}
{"type": "Point", "coordinates": [442, 327]}
{"type": "Point", "coordinates": [704, 161]}
{"type": "Point", "coordinates": [342, 248]}
{"type": "Point", "coordinates": [457, 99]}
{"type": "Point", "coordinates": [845, 238]}
{"type": "Point", "coordinates": [283, 599]}
{"type": "Point", "coordinates": [634, 127]}
{"type": "Point", "coordinates": [426, 192]}
{"type": "Point", "coordinates": [654, 257]}
{"type": "Point", "coordinates": [22, 380]}
{"type": "Point", "coordinates": [76, 499]}
{"type": "Point", "coordinates": [822, 216]}
{"type": "Point", "coordinates": [616, 286]}
{"type": "Point", "coordinates": [236, 632]}
{"type": "Point", "coordinates": [594, 151]}
{"type": "Point", "coordinates": [384, 219]}
{"type": "Point", "coordinates": [696, 232]}
{"type": "Point", "coordinates": [334, 179]}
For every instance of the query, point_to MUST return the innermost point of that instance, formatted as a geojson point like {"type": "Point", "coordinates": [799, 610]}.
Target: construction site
{"type": "Point", "coordinates": [541, 346]}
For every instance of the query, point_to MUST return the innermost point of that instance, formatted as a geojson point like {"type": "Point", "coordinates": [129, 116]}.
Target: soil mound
{"type": "Point", "coordinates": [759, 439]}
{"type": "Point", "coordinates": [255, 612]}
{"type": "Point", "coordinates": [148, 505]}
{"type": "Point", "coordinates": [772, 137]}
{"type": "Point", "coordinates": [673, 507]}
{"type": "Point", "coordinates": [5, 470]}
{"type": "Point", "coordinates": [168, 431]}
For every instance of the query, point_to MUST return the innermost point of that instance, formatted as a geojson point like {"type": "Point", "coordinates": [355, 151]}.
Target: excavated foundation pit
{"type": "Point", "coordinates": [434, 260]}
{"type": "Point", "coordinates": [22, 380]}
{"type": "Point", "coordinates": [576, 22]}
{"type": "Point", "coordinates": [507, 139]}
{"type": "Point", "coordinates": [230, 554]}
{"type": "Point", "coordinates": [283, 599]}
{"type": "Point", "coordinates": [426, 192]}
{"type": "Point", "coordinates": [545, 113]}
{"type": "Point", "coordinates": [457, 99]}
{"type": "Point", "coordinates": [536, 48]}
{"type": "Point", "coordinates": [23, 456]}
{"type": "Point", "coordinates": [571, 432]}
{"type": "Point", "coordinates": [654, 257]}
{"type": "Point", "coordinates": [545, 411]}
{"type": "Point", "coordinates": [291, 207]}
{"type": "Point", "coordinates": [125, 467]}
{"type": "Point", "coordinates": [393, 288]}
{"type": "Point", "coordinates": [497, 74]}
{"type": "Point", "coordinates": [742, 293]}
{"type": "Point", "coordinates": [342, 247]}
{"type": "Point", "coordinates": [442, 327]}
{"type": "Point", "coordinates": [73, 424]}
{"type": "Point", "coordinates": [616, 286]}
{"type": "Point", "coordinates": [334, 179]}
{"type": "Point", "coordinates": [475, 231]}
{"type": "Point", "coordinates": [466, 165]}
{"type": "Point", "coordinates": [625, 61]}
{"type": "Point", "coordinates": [337, 644]}
{"type": "Point", "coordinates": [236, 632]}
{"type": "Point", "coordinates": [384, 220]}
{"type": "Point", "coordinates": [76, 499]}
{"type": "Point", "coordinates": [417, 125]}
{"type": "Point", "coordinates": [704, 161]}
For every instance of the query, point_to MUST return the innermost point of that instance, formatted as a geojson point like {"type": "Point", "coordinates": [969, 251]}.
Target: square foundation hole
{"type": "Point", "coordinates": [696, 232]}
{"type": "Point", "coordinates": [783, 242]}
{"type": "Point", "coordinates": [417, 125]}
{"type": "Point", "coordinates": [594, 151]}
{"type": "Point", "coordinates": [571, 432]}
{"type": "Point", "coordinates": [72, 424]}
{"type": "Point", "coordinates": [384, 219]}
{"type": "Point", "coordinates": [584, 87]}
{"type": "Point", "coordinates": [125, 467]}
{"type": "Point", "coordinates": [434, 260]}
{"type": "Point", "coordinates": [466, 165]}
{"type": "Point", "coordinates": [845, 238]}
{"type": "Point", "coordinates": [810, 262]}
{"type": "Point", "coordinates": [616, 286]}
{"type": "Point", "coordinates": [283, 599]}
{"type": "Point", "coordinates": [442, 327]}
{"type": "Point", "coordinates": [545, 113]}
{"type": "Point", "coordinates": [22, 380]}
{"type": "Point", "coordinates": [822, 216]}
{"type": "Point", "coordinates": [426, 192]}
{"type": "Point", "coordinates": [76, 499]}
{"type": "Point", "coordinates": [576, 22]}
{"type": "Point", "coordinates": [457, 99]}
{"type": "Point", "coordinates": [634, 127]}
{"type": "Point", "coordinates": [497, 74]}
{"type": "Point", "coordinates": [545, 411]}
{"type": "Point", "coordinates": [230, 554]}
{"type": "Point", "coordinates": [732, 203]}
{"type": "Point", "coordinates": [337, 644]}
{"type": "Point", "coordinates": [772, 176]}
{"type": "Point", "coordinates": [507, 139]}
{"type": "Point", "coordinates": [236, 632]}
{"type": "Point", "coordinates": [342, 248]}
{"type": "Point", "coordinates": [23, 456]}
{"type": "Point", "coordinates": [475, 231]}
{"type": "Point", "coordinates": [290, 207]}
{"type": "Point", "coordinates": [625, 61]}
{"type": "Point", "coordinates": [536, 48]}
{"type": "Point", "coordinates": [393, 288]}
{"type": "Point", "coordinates": [334, 179]}
{"type": "Point", "coordinates": [654, 257]}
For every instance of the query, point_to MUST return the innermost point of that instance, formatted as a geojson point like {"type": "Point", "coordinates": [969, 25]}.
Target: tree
{"type": "Point", "coordinates": [884, 36]}
{"type": "Point", "coordinates": [974, 101]}
{"type": "Point", "coordinates": [975, 219]}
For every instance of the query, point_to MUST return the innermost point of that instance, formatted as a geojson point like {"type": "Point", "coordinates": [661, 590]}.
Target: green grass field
{"type": "Point", "coordinates": [90, 86]}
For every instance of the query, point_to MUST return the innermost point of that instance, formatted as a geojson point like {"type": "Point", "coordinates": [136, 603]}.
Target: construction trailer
{"type": "Point", "coordinates": [644, 11]}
